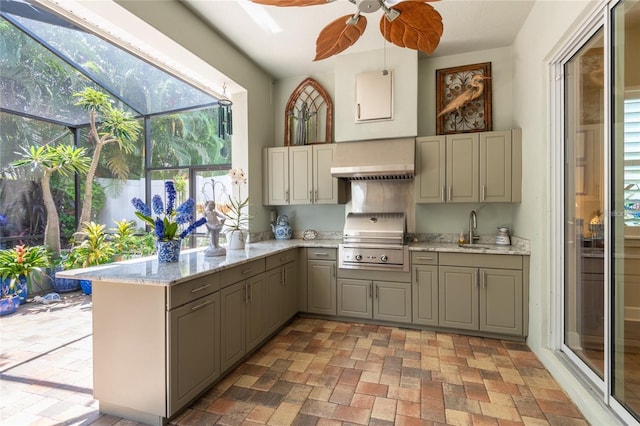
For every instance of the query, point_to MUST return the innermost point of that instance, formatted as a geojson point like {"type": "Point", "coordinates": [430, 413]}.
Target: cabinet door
{"type": "Point", "coordinates": [425, 294]}
{"type": "Point", "coordinates": [325, 186]}
{"type": "Point", "coordinates": [374, 96]}
{"type": "Point", "coordinates": [301, 174]}
{"type": "Point", "coordinates": [321, 282]}
{"type": "Point", "coordinates": [462, 168]}
{"type": "Point", "coordinates": [501, 301]}
{"type": "Point", "coordinates": [256, 316]}
{"type": "Point", "coordinates": [290, 290]}
{"type": "Point", "coordinates": [495, 167]}
{"type": "Point", "coordinates": [233, 301]}
{"type": "Point", "coordinates": [275, 300]}
{"type": "Point", "coordinates": [355, 298]}
{"type": "Point", "coordinates": [392, 301]}
{"type": "Point", "coordinates": [458, 297]}
{"type": "Point", "coordinates": [194, 349]}
{"type": "Point", "coordinates": [277, 176]}
{"type": "Point", "coordinates": [431, 167]}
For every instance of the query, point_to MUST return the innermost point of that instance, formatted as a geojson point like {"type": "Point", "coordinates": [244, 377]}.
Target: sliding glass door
{"type": "Point", "coordinates": [625, 202]}
{"type": "Point", "coordinates": [601, 98]}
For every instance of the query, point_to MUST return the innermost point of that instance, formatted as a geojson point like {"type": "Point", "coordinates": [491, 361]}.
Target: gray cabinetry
{"type": "Point", "coordinates": [321, 281]}
{"type": "Point", "coordinates": [243, 311]}
{"type": "Point", "coordinates": [467, 168]}
{"type": "Point", "coordinates": [424, 288]}
{"type": "Point", "coordinates": [281, 289]}
{"type": "Point", "coordinates": [483, 292]}
{"type": "Point", "coordinates": [298, 175]}
{"type": "Point", "coordinates": [360, 295]}
{"type": "Point", "coordinates": [194, 342]}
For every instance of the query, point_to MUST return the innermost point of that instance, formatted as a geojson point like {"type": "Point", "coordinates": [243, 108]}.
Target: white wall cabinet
{"type": "Point", "coordinates": [298, 175]}
{"type": "Point", "coordinates": [374, 96]}
{"type": "Point", "coordinates": [469, 168]}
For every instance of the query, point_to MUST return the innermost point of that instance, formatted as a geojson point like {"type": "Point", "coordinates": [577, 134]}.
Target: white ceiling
{"type": "Point", "coordinates": [469, 25]}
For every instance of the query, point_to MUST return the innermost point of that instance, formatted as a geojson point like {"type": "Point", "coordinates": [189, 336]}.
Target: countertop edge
{"type": "Point", "coordinates": [193, 264]}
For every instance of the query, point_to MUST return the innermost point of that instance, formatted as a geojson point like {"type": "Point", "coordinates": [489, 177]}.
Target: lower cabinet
{"type": "Point", "coordinates": [243, 319]}
{"type": "Point", "coordinates": [281, 289]}
{"type": "Point", "coordinates": [194, 344]}
{"type": "Point", "coordinates": [387, 301]}
{"type": "Point", "coordinates": [424, 283]}
{"type": "Point", "coordinates": [321, 281]}
{"type": "Point", "coordinates": [487, 299]}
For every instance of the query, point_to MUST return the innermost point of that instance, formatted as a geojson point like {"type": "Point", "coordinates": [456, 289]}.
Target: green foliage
{"type": "Point", "coordinates": [63, 159]}
{"type": "Point", "coordinates": [123, 237]}
{"type": "Point", "coordinates": [95, 248]}
{"type": "Point", "coordinates": [21, 260]}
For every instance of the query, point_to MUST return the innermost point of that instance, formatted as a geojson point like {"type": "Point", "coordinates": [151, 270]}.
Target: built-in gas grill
{"type": "Point", "coordinates": [374, 241]}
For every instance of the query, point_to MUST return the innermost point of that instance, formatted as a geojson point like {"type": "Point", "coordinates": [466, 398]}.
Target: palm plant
{"type": "Point", "coordinates": [50, 159]}
{"type": "Point", "coordinates": [107, 125]}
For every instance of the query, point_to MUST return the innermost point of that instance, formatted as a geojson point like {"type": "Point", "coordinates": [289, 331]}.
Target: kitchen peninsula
{"type": "Point", "coordinates": [164, 333]}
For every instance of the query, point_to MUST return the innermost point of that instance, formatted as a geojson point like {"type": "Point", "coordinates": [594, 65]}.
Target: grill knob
{"type": "Point", "coordinates": [358, 257]}
{"type": "Point", "coordinates": [384, 258]}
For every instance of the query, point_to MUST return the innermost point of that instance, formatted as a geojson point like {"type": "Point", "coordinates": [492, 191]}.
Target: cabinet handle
{"type": "Point", "coordinates": [286, 196]}
{"type": "Point", "coordinates": [321, 254]}
{"type": "Point", "coordinates": [483, 280]}
{"type": "Point", "coordinates": [423, 258]}
{"type": "Point", "coordinates": [202, 305]}
{"type": "Point", "coordinates": [476, 278]}
{"type": "Point", "coordinates": [195, 290]}
{"type": "Point", "coordinates": [482, 193]}
{"type": "Point", "coordinates": [358, 107]}
{"type": "Point", "coordinates": [248, 271]}
{"type": "Point", "coordinates": [315, 198]}
{"type": "Point", "coordinates": [377, 291]}
{"type": "Point", "coordinates": [442, 197]}
{"type": "Point", "coordinates": [449, 193]}
{"type": "Point", "coordinates": [333, 270]}
{"type": "Point", "coordinates": [311, 195]}
{"type": "Point", "coordinates": [370, 291]}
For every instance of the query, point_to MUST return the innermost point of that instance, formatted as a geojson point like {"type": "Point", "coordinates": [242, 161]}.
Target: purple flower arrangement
{"type": "Point", "coordinates": [169, 220]}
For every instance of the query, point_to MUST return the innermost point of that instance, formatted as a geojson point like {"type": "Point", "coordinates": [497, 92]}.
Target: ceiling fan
{"type": "Point", "coordinates": [413, 24]}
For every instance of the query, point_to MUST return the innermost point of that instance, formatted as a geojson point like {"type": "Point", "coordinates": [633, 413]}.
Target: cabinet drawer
{"type": "Point", "coordinates": [280, 259]}
{"type": "Point", "coordinates": [424, 258]}
{"type": "Point", "coordinates": [186, 292]}
{"type": "Point", "coordinates": [473, 260]}
{"type": "Point", "coordinates": [242, 272]}
{"type": "Point", "coordinates": [322, 253]}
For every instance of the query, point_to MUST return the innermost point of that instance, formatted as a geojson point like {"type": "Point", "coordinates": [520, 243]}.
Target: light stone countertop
{"type": "Point", "coordinates": [193, 263]}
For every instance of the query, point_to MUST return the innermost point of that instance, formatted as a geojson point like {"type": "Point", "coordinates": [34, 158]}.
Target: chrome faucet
{"type": "Point", "coordinates": [473, 224]}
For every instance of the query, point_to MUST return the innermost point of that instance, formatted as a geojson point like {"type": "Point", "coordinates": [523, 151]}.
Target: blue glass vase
{"type": "Point", "coordinates": [168, 251]}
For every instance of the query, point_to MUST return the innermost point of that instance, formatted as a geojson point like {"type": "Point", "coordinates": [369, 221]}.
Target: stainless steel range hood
{"type": "Point", "coordinates": [375, 159]}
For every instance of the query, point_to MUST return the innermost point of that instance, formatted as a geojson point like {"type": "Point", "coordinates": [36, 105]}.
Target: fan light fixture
{"type": "Point", "coordinates": [413, 24]}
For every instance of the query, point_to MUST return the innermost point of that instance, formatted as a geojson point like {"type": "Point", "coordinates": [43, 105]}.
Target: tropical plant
{"type": "Point", "coordinates": [236, 218]}
{"type": "Point", "coordinates": [50, 159]}
{"type": "Point", "coordinates": [123, 237]}
{"type": "Point", "coordinates": [107, 125]}
{"type": "Point", "coordinates": [169, 220]}
{"type": "Point", "coordinates": [21, 261]}
{"type": "Point", "coordinates": [94, 249]}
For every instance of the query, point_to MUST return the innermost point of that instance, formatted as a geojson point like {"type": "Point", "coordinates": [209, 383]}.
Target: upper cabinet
{"type": "Point", "coordinates": [374, 96]}
{"type": "Point", "coordinates": [300, 175]}
{"type": "Point", "coordinates": [469, 168]}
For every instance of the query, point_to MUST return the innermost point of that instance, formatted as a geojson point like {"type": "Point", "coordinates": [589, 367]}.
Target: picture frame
{"type": "Point", "coordinates": [308, 117]}
{"type": "Point", "coordinates": [474, 115]}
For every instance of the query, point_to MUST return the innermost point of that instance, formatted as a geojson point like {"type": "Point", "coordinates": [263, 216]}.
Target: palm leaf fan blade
{"type": "Point", "coordinates": [289, 3]}
{"type": "Point", "coordinates": [419, 27]}
{"type": "Point", "coordinates": [338, 36]}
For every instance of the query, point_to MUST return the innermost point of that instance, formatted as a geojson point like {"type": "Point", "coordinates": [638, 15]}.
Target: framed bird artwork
{"type": "Point", "coordinates": [463, 99]}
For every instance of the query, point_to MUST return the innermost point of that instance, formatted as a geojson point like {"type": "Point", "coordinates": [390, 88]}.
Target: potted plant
{"type": "Point", "coordinates": [234, 211]}
{"type": "Point", "coordinates": [123, 239]}
{"type": "Point", "coordinates": [170, 225]}
{"type": "Point", "coordinates": [16, 264]}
